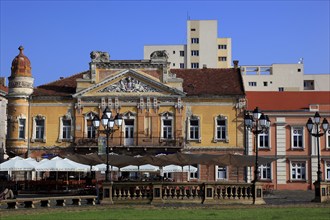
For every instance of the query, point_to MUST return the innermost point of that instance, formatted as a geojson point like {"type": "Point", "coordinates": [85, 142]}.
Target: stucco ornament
{"type": "Point", "coordinates": [159, 54]}
{"type": "Point", "coordinates": [129, 84]}
{"type": "Point", "coordinates": [98, 56]}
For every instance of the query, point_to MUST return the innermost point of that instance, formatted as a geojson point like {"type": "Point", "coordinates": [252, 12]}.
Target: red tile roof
{"type": "Point", "coordinates": [287, 101]}
{"type": "Point", "coordinates": [196, 82]}
{"type": "Point", "coordinates": [205, 82]}
{"type": "Point", "coordinates": [63, 87]}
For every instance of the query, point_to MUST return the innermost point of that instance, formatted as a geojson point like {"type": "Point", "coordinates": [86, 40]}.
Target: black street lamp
{"type": "Point", "coordinates": [310, 126]}
{"type": "Point", "coordinates": [257, 123]}
{"type": "Point", "coordinates": [108, 124]}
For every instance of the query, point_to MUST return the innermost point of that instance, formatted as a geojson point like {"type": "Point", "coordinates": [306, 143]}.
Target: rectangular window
{"type": "Point", "coordinates": [194, 65]}
{"type": "Point", "coordinates": [265, 83]}
{"type": "Point", "coordinates": [252, 83]}
{"type": "Point", "coordinates": [264, 140]}
{"type": "Point", "coordinates": [195, 40]}
{"type": "Point", "coordinates": [195, 53]}
{"type": "Point", "coordinates": [221, 173]}
{"type": "Point", "coordinates": [182, 65]}
{"type": "Point", "coordinates": [40, 128]}
{"type": "Point", "coordinates": [265, 172]}
{"type": "Point", "coordinates": [167, 129]}
{"type": "Point", "coordinates": [222, 47]}
{"type": "Point", "coordinates": [194, 129]}
{"type": "Point", "coordinates": [193, 29]}
{"type": "Point", "coordinates": [298, 170]}
{"type": "Point", "coordinates": [173, 64]}
{"type": "Point", "coordinates": [327, 170]}
{"type": "Point", "coordinates": [21, 134]}
{"type": "Point", "coordinates": [327, 136]}
{"type": "Point", "coordinates": [173, 51]}
{"type": "Point", "coordinates": [181, 53]}
{"type": "Point", "coordinates": [280, 89]}
{"type": "Point", "coordinates": [297, 137]}
{"type": "Point", "coordinates": [66, 129]}
{"type": "Point", "coordinates": [222, 59]}
{"type": "Point", "coordinates": [90, 129]}
{"type": "Point", "coordinates": [221, 129]}
{"type": "Point", "coordinates": [193, 175]}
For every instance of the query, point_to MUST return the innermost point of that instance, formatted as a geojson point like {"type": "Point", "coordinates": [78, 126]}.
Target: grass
{"type": "Point", "coordinates": [177, 213]}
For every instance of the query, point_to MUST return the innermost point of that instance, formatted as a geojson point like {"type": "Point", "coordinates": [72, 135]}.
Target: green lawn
{"type": "Point", "coordinates": [155, 213]}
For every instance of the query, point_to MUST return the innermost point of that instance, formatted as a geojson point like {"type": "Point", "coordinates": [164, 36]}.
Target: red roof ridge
{"type": "Point", "coordinates": [58, 80]}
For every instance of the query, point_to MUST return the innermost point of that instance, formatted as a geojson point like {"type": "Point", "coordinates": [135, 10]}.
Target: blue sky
{"type": "Point", "coordinates": [58, 36]}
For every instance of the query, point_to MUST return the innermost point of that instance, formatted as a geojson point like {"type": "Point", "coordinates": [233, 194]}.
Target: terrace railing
{"type": "Point", "coordinates": [190, 192]}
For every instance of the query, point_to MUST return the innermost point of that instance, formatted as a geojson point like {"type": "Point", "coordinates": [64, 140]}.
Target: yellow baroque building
{"type": "Point", "coordinates": [164, 110]}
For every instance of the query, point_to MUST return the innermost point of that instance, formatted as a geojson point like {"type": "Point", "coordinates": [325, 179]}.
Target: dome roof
{"type": "Point", "coordinates": [21, 65]}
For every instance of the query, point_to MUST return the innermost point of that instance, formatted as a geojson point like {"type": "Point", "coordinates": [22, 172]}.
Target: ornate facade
{"type": "Point", "coordinates": [164, 110]}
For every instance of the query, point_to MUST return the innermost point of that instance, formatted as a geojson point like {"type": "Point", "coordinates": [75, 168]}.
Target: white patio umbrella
{"type": "Point", "coordinates": [16, 164]}
{"type": "Point", "coordinates": [103, 167]}
{"type": "Point", "coordinates": [79, 166]}
{"type": "Point", "coordinates": [142, 168]}
{"type": "Point", "coordinates": [175, 168]}
{"type": "Point", "coordinates": [56, 165]}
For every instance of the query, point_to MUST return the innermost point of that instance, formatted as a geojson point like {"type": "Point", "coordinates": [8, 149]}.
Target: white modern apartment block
{"type": "Point", "coordinates": [203, 48]}
{"type": "Point", "coordinates": [283, 77]}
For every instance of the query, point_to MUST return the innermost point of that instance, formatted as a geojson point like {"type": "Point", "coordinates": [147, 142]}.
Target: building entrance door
{"type": "Point", "coordinates": [129, 132]}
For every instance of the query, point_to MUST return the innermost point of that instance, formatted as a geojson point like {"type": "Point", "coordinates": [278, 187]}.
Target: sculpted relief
{"type": "Point", "coordinates": [129, 84]}
{"type": "Point", "coordinates": [98, 56]}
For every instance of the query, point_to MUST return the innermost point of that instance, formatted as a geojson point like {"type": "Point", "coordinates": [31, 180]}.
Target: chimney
{"type": "Point", "coordinates": [235, 64]}
{"type": "Point", "coordinates": [2, 81]}
{"type": "Point", "coordinates": [204, 66]}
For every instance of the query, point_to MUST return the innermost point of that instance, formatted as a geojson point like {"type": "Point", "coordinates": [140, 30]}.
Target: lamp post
{"type": "Point", "coordinates": [108, 123]}
{"type": "Point", "coordinates": [257, 123]}
{"type": "Point", "coordinates": [310, 126]}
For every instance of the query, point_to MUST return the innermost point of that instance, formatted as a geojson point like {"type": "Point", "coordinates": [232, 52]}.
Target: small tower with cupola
{"type": "Point", "coordinates": [20, 90]}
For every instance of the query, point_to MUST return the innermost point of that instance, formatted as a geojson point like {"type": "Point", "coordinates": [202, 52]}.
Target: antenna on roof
{"type": "Point", "coordinates": [301, 61]}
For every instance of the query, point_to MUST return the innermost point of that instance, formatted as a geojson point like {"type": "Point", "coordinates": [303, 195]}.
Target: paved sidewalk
{"type": "Point", "coordinates": [283, 197]}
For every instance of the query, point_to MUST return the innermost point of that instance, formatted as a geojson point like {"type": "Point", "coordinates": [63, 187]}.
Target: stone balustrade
{"type": "Point", "coordinates": [190, 192]}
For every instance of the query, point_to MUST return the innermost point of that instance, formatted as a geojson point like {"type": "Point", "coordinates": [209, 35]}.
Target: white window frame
{"type": "Point", "coordinates": [327, 170]}
{"type": "Point", "coordinates": [263, 135]}
{"type": "Point", "coordinates": [194, 65]}
{"type": "Point", "coordinates": [254, 84]}
{"type": "Point", "coordinates": [181, 65]}
{"type": "Point", "coordinates": [327, 139]}
{"type": "Point", "coordinates": [167, 116]}
{"type": "Point", "coordinates": [194, 175]}
{"type": "Point", "coordinates": [215, 138]}
{"type": "Point", "coordinates": [89, 116]}
{"type": "Point", "coordinates": [34, 128]}
{"type": "Point", "coordinates": [291, 170]}
{"type": "Point", "coordinates": [21, 126]}
{"type": "Point", "coordinates": [222, 59]}
{"type": "Point", "coordinates": [195, 40]}
{"type": "Point", "coordinates": [60, 135]}
{"type": "Point", "coordinates": [293, 129]}
{"type": "Point", "coordinates": [222, 46]}
{"type": "Point", "coordinates": [223, 169]}
{"type": "Point", "coordinates": [195, 53]}
{"type": "Point", "coordinates": [199, 138]}
{"type": "Point", "coordinates": [268, 168]}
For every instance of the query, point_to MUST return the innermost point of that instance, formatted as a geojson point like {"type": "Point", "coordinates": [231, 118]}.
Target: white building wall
{"type": "Point", "coordinates": [173, 52]}
{"type": "Point", "coordinates": [321, 81]}
{"type": "Point", "coordinates": [272, 78]}
{"type": "Point", "coordinates": [280, 150]}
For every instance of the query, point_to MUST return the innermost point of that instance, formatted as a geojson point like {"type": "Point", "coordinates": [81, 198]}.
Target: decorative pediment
{"type": "Point", "coordinates": [129, 84]}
